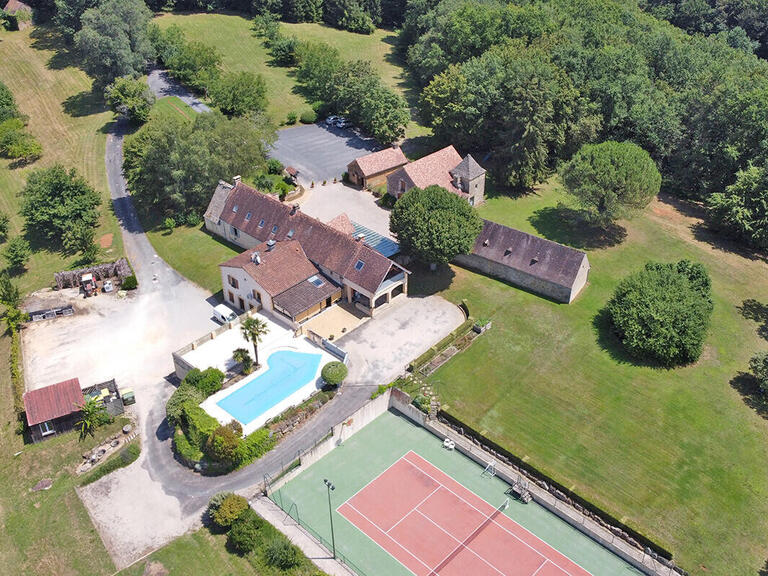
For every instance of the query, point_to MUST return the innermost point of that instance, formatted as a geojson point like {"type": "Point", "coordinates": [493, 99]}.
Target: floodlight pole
{"type": "Point", "coordinates": [330, 487]}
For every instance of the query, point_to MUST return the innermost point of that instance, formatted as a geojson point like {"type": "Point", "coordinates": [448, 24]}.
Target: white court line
{"type": "Point", "coordinates": [542, 566]}
{"type": "Point", "coordinates": [484, 514]}
{"type": "Point", "coordinates": [374, 480]}
{"type": "Point", "coordinates": [427, 497]}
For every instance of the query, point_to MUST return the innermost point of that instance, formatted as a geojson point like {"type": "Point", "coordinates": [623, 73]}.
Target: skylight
{"type": "Point", "coordinates": [248, 216]}
{"type": "Point", "coordinates": [261, 223]}
{"type": "Point", "coordinates": [359, 265]}
{"type": "Point", "coordinates": [317, 281]}
{"type": "Point", "coordinates": [234, 208]}
{"type": "Point", "coordinates": [290, 233]}
{"type": "Point", "coordinates": [274, 228]}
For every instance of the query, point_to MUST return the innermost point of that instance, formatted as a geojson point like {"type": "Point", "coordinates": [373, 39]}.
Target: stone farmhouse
{"type": "Point", "coordinates": [372, 170]}
{"type": "Point", "coordinates": [445, 168]}
{"type": "Point", "coordinates": [295, 266]}
{"type": "Point", "coordinates": [533, 263]}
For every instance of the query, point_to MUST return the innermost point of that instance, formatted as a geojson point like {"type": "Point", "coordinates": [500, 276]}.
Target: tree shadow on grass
{"type": "Point", "coordinates": [567, 226]}
{"type": "Point", "coordinates": [747, 385]}
{"type": "Point", "coordinates": [84, 103]}
{"type": "Point", "coordinates": [424, 282]}
{"type": "Point", "coordinates": [609, 341]}
{"type": "Point", "coordinates": [756, 311]}
{"type": "Point", "coordinates": [48, 38]}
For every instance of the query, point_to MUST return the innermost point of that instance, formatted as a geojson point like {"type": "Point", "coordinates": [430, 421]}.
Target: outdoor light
{"type": "Point", "coordinates": [330, 487]}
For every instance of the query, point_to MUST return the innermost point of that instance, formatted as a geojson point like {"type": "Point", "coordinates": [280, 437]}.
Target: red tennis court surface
{"type": "Point", "coordinates": [434, 526]}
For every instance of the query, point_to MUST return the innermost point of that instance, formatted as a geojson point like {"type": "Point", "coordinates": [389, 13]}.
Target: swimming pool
{"type": "Point", "coordinates": [288, 372]}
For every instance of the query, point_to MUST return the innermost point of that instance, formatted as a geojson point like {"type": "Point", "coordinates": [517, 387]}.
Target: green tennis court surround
{"type": "Point", "coordinates": [376, 448]}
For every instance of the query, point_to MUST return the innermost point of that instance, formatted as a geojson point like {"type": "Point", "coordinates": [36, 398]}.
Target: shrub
{"type": "Point", "coordinates": [263, 183]}
{"type": "Point", "coordinates": [308, 117]}
{"type": "Point", "coordinates": [244, 535]}
{"type": "Point", "coordinates": [274, 166]}
{"type": "Point", "coordinates": [222, 444]}
{"type": "Point", "coordinates": [209, 381]}
{"type": "Point", "coordinates": [291, 119]}
{"type": "Point", "coordinates": [662, 312]}
{"type": "Point", "coordinates": [758, 365]}
{"type": "Point", "coordinates": [186, 393]}
{"type": "Point", "coordinates": [130, 282]}
{"type": "Point", "coordinates": [185, 450]}
{"type": "Point", "coordinates": [193, 219]}
{"type": "Point", "coordinates": [169, 224]}
{"type": "Point", "coordinates": [198, 425]}
{"type": "Point", "coordinates": [422, 403]}
{"type": "Point", "coordinates": [216, 501]}
{"type": "Point", "coordinates": [254, 446]}
{"type": "Point", "coordinates": [334, 373]}
{"type": "Point", "coordinates": [280, 553]}
{"type": "Point", "coordinates": [123, 458]}
{"type": "Point", "coordinates": [231, 508]}
{"type": "Point", "coordinates": [283, 50]}
{"type": "Point", "coordinates": [387, 201]}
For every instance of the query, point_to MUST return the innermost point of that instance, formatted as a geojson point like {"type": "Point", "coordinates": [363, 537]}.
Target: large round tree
{"type": "Point", "coordinates": [434, 225]}
{"type": "Point", "coordinates": [662, 312]}
{"type": "Point", "coordinates": [611, 180]}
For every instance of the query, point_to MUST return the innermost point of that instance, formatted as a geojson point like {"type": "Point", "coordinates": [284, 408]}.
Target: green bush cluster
{"type": "Point", "coordinates": [333, 373]}
{"type": "Point", "coordinates": [308, 117]}
{"type": "Point", "coordinates": [421, 402]}
{"type": "Point", "coordinates": [197, 424]}
{"type": "Point", "coordinates": [244, 536]}
{"type": "Point", "coordinates": [229, 510]}
{"type": "Point", "coordinates": [123, 458]}
{"type": "Point", "coordinates": [222, 445]}
{"type": "Point", "coordinates": [130, 282]}
{"type": "Point", "coordinates": [254, 446]}
{"type": "Point", "coordinates": [188, 453]}
{"type": "Point", "coordinates": [208, 381]}
{"type": "Point", "coordinates": [185, 393]}
{"type": "Point", "coordinates": [280, 553]}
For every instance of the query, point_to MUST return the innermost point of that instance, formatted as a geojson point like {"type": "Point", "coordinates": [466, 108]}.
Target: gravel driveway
{"type": "Point", "coordinates": [162, 85]}
{"type": "Point", "coordinates": [320, 152]}
{"type": "Point", "coordinates": [327, 202]}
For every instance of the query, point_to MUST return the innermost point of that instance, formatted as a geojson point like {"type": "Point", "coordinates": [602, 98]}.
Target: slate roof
{"type": "Point", "coordinates": [468, 169]}
{"type": "Point", "coordinates": [381, 161]}
{"type": "Point", "coordinates": [279, 269]}
{"type": "Point", "coordinates": [53, 401]}
{"type": "Point", "coordinates": [304, 295]}
{"type": "Point", "coordinates": [531, 254]}
{"type": "Point", "coordinates": [434, 169]}
{"type": "Point", "coordinates": [246, 208]}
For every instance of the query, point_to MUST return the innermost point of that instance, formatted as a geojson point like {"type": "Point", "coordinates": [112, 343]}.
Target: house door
{"type": "Point", "coordinates": [328, 302]}
{"type": "Point", "coordinates": [46, 428]}
{"type": "Point", "coordinates": [242, 304]}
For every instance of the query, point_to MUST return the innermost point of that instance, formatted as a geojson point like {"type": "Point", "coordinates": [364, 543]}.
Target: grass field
{"type": "Point", "coordinates": [71, 124]}
{"type": "Point", "coordinates": [678, 454]}
{"type": "Point", "coordinates": [242, 50]}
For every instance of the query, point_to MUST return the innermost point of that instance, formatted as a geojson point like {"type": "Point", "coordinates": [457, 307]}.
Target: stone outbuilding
{"type": "Point", "coordinates": [530, 262]}
{"type": "Point", "coordinates": [372, 170]}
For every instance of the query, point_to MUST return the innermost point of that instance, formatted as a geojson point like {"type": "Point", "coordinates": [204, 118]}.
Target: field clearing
{"type": "Point", "coordinates": [242, 50]}
{"type": "Point", "coordinates": [70, 122]}
{"type": "Point", "coordinates": [677, 454]}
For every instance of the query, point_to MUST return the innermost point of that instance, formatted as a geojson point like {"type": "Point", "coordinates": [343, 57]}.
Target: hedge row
{"type": "Point", "coordinates": [17, 379]}
{"type": "Point", "coordinates": [536, 473]}
{"type": "Point", "coordinates": [187, 453]}
{"type": "Point", "coordinates": [254, 446]}
{"type": "Point", "coordinates": [465, 327]}
{"type": "Point", "coordinates": [122, 459]}
{"type": "Point", "coordinates": [197, 424]}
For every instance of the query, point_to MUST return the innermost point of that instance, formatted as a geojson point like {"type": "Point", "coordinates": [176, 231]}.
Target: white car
{"type": "Point", "coordinates": [107, 286]}
{"type": "Point", "coordinates": [224, 314]}
{"type": "Point", "coordinates": [331, 120]}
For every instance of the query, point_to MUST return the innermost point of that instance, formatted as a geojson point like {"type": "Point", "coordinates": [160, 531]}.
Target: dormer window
{"type": "Point", "coordinates": [234, 208]}
{"type": "Point", "coordinates": [261, 223]}
{"type": "Point", "coordinates": [290, 233]}
{"type": "Point", "coordinates": [248, 217]}
{"type": "Point", "coordinates": [359, 265]}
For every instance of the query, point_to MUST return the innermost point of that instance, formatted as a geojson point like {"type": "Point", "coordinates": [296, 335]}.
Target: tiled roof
{"type": "Point", "coordinates": [381, 161]}
{"type": "Point", "coordinates": [219, 198]}
{"type": "Point", "coordinates": [342, 223]}
{"type": "Point", "coordinates": [278, 269]}
{"type": "Point", "coordinates": [305, 295]}
{"type": "Point", "coordinates": [434, 169]}
{"type": "Point", "coordinates": [53, 401]}
{"type": "Point", "coordinates": [528, 253]}
{"type": "Point", "coordinates": [246, 208]}
{"type": "Point", "coordinates": [468, 169]}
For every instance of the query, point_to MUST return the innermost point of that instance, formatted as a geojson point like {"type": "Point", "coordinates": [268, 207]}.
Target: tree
{"type": "Point", "coordinates": [184, 394]}
{"type": "Point", "coordinates": [302, 10]}
{"type": "Point", "coordinates": [434, 224]}
{"type": "Point", "coordinates": [16, 143]}
{"type": "Point", "coordinates": [10, 296]}
{"type": "Point", "coordinates": [69, 13]}
{"type": "Point", "coordinates": [8, 107]}
{"type": "Point", "coordinates": [317, 65]}
{"type": "Point", "coordinates": [240, 93]}
{"type": "Point", "coordinates": [230, 509]}
{"type": "Point", "coordinates": [758, 365]}
{"type": "Point", "coordinates": [283, 50]}
{"type": "Point", "coordinates": [60, 206]}
{"type": "Point", "coordinates": [92, 415]}
{"type": "Point", "coordinates": [208, 381]}
{"type": "Point", "coordinates": [240, 355]}
{"type": "Point", "coordinates": [662, 312]}
{"type": "Point", "coordinates": [244, 535]}
{"type": "Point", "coordinates": [114, 40]}
{"type": "Point", "coordinates": [131, 98]}
{"type": "Point", "coordinates": [5, 221]}
{"type": "Point", "coordinates": [611, 180]}
{"type": "Point", "coordinates": [17, 253]}
{"type": "Point", "coordinates": [333, 373]}
{"type": "Point", "coordinates": [221, 446]}
{"type": "Point", "coordinates": [742, 210]}
{"type": "Point", "coordinates": [194, 64]}
{"type": "Point", "coordinates": [253, 330]}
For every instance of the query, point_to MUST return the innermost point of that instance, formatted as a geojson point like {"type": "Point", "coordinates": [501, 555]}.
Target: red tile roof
{"type": "Point", "coordinates": [434, 169]}
{"type": "Point", "coordinates": [53, 401]}
{"type": "Point", "coordinates": [278, 269]}
{"type": "Point", "coordinates": [342, 223]}
{"type": "Point", "coordinates": [381, 161]}
{"type": "Point", "coordinates": [246, 208]}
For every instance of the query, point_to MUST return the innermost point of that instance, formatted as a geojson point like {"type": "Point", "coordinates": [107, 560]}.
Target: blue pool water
{"type": "Point", "coordinates": [287, 372]}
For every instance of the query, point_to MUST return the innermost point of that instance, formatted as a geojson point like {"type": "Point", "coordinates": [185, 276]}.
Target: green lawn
{"type": "Point", "coordinates": [172, 106]}
{"type": "Point", "coordinates": [71, 124]}
{"type": "Point", "coordinates": [677, 454]}
{"type": "Point", "coordinates": [242, 50]}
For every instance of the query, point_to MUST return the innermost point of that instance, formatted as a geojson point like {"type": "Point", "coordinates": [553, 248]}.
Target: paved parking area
{"type": "Point", "coordinates": [327, 202]}
{"type": "Point", "coordinates": [380, 349]}
{"type": "Point", "coordinates": [320, 152]}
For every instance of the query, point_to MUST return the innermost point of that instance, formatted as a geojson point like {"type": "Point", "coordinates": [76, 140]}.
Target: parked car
{"type": "Point", "coordinates": [343, 123]}
{"type": "Point", "coordinates": [224, 313]}
{"type": "Point", "coordinates": [107, 286]}
{"type": "Point", "coordinates": [331, 120]}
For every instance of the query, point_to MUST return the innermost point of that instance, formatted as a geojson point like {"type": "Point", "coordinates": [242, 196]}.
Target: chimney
{"type": "Point", "coordinates": [360, 237]}
{"type": "Point", "coordinates": [256, 258]}
{"type": "Point", "coordinates": [294, 209]}
{"type": "Point", "coordinates": [534, 260]}
{"type": "Point", "coordinates": [485, 242]}
{"type": "Point", "coordinates": [270, 245]}
{"type": "Point", "coordinates": [236, 179]}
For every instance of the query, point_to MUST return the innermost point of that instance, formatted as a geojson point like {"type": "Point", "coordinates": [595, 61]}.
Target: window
{"type": "Point", "coordinates": [231, 297]}
{"type": "Point", "coordinates": [46, 428]}
{"type": "Point", "coordinates": [261, 223]}
{"type": "Point", "coordinates": [234, 231]}
{"type": "Point", "coordinates": [274, 228]}
{"type": "Point", "coordinates": [234, 208]}
{"type": "Point", "coordinates": [317, 281]}
{"type": "Point", "coordinates": [247, 216]}
{"type": "Point", "coordinates": [256, 296]}
{"type": "Point", "coordinates": [359, 265]}
{"type": "Point", "coordinates": [233, 282]}
{"type": "Point", "coordinates": [290, 233]}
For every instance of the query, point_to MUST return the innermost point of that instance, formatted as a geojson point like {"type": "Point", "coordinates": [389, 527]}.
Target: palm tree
{"type": "Point", "coordinates": [253, 329]}
{"type": "Point", "coordinates": [93, 415]}
{"type": "Point", "coordinates": [243, 357]}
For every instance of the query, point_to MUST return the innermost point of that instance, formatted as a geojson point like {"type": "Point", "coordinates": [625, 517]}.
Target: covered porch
{"type": "Point", "coordinates": [394, 284]}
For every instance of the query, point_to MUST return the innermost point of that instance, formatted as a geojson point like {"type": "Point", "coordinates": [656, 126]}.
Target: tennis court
{"type": "Point", "coordinates": [403, 505]}
{"type": "Point", "coordinates": [434, 526]}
